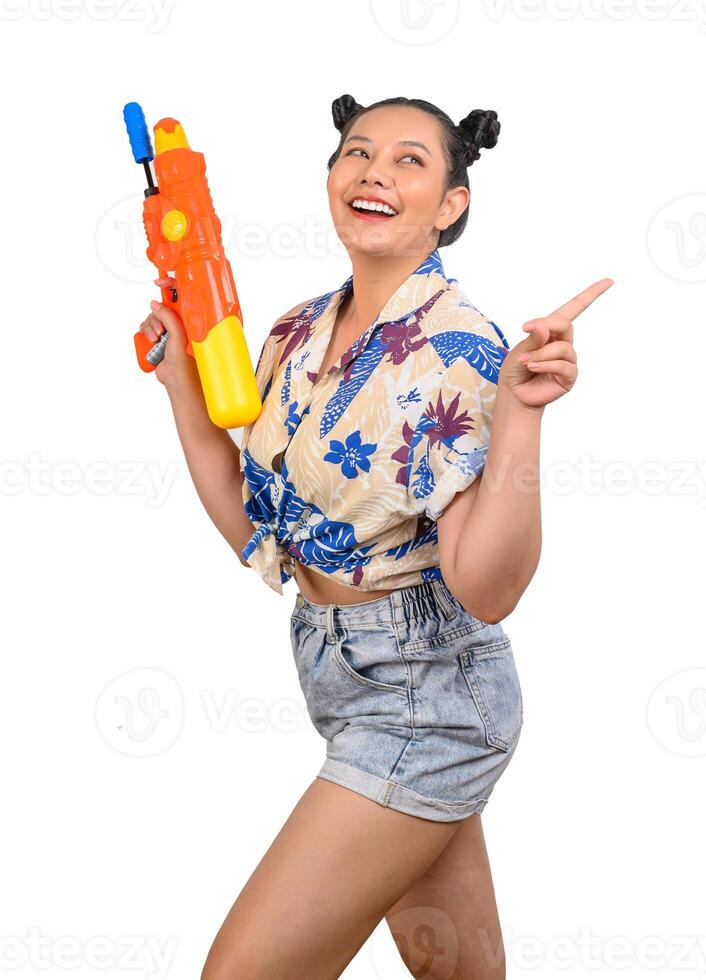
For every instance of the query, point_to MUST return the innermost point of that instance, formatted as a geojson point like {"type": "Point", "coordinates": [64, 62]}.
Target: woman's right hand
{"type": "Point", "coordinates": [176, 368]}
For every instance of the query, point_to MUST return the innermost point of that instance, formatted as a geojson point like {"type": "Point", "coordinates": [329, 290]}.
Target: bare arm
{"type": "Point", "coordinates": [211, 455]}
{"type": "Point", "coordinates": [213, 460]}
{"type": "Point", "coordinates": [490, 535]}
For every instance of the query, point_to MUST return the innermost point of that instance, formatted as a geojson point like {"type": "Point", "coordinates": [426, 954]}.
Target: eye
{"type": "Point", "coordinates": [409, 156]}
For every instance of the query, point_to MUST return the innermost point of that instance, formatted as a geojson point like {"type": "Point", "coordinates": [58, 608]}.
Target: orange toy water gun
{"type": "Point", "coordinates": [184, 236]}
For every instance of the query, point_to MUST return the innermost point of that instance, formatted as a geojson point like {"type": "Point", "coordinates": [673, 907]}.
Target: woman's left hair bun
{"type": "Point", "coordinates": [479, 130]}
{"type": "Point", "coordinates": [342, 109]}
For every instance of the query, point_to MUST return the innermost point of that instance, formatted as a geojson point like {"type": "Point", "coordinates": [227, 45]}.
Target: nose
{"type": "Point", "coordinates": [376, 174]}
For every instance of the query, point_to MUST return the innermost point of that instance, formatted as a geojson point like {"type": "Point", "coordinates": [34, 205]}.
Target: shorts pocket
{"type": "Point", "coordinates": [492, 679]}
{"type": "Point", "coordinates": [371, 658]}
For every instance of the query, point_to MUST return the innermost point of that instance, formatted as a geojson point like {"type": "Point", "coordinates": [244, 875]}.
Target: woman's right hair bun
{"type": "Point", "coordinates": [343, 109]}
{"type": "Point", "coordinates": [480, 130]}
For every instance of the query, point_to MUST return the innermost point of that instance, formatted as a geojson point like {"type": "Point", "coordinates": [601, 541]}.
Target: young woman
{"type": "Point", "coordinates": [370, 477]}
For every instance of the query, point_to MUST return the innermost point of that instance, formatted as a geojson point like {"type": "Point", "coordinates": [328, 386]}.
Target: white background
{"type": "Point", "coordinates": [135, 821]}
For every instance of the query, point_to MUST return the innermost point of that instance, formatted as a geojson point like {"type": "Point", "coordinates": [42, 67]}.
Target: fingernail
{"type": "Point", "coordinates": [154, 304]}
{"type": "Point", "coordinates": [532, 363]}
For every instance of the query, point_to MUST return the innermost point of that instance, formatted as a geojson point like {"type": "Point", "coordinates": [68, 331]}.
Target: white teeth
{"type": "Point", "coordinates": [373, 206]}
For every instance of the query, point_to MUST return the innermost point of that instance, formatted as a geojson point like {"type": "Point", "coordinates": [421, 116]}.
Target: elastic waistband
{"type": "Point", "coordinates": [410, 602]}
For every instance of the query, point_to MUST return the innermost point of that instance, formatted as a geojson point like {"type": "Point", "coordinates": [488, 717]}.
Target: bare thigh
{"type": "Point", "coordinates": [336, 866]}
{"type": "Point", "coordinates": [446, 926]}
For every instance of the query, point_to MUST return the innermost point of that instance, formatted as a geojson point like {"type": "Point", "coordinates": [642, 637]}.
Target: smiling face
{"type": "Point", "coordinates": [393, 154]}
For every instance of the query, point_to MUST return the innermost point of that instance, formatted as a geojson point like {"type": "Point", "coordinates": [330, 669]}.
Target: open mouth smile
{"type": "Point", "coordinates": [371, 210]}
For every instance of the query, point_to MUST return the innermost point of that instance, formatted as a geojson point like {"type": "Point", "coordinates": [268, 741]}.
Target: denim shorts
{"type": "Point", "coordinates": [419, 702]}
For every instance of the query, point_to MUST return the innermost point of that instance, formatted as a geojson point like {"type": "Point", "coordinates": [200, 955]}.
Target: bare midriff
{"type": "Point", "coordinates": [319, 588]}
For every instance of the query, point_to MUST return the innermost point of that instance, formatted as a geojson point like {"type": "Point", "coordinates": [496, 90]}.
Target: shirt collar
{"type": "Point", "coordinates": [426, 280]}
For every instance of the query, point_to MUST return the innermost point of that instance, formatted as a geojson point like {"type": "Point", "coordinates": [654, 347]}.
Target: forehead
{"type": "Point", "coordinates": [388, 124]}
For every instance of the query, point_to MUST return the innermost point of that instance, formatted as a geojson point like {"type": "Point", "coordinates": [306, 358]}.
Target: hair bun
{"type": "Point", "coordinates": [479, 130]}
{"type": "Point", "coordinates": [342, 109]}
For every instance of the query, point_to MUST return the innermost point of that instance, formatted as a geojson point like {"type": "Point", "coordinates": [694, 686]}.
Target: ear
{"type": "Point", "coordinates": [455, 203]}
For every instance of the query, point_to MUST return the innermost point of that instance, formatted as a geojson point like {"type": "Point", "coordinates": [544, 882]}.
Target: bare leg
{"type": "Point", "coordinates": [446, 926]}
{"type": "Point", "coordinates": [336, 866]}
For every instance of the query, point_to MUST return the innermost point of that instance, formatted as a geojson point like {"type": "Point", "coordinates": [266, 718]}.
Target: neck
{"type": "Point", "coordinates": [375, 279]}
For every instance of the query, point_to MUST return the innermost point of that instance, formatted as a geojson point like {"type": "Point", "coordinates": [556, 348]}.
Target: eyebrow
{"type": "Point", "coordinates": [366, 139]}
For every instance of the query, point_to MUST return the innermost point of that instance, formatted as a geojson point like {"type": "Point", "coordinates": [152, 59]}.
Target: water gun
{"type": "Point", "coordinates": [184, 236]}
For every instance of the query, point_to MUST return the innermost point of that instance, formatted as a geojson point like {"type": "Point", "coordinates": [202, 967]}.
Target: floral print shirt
{"type": "Point", "coordinates": [349, 475]}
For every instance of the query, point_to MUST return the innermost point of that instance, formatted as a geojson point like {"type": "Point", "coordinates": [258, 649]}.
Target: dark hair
{"type": "Point", "coordinates": [461, 142]}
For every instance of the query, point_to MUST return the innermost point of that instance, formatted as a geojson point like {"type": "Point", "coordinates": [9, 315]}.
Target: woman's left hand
{"type": "Point", "coordinates": [542, 367]}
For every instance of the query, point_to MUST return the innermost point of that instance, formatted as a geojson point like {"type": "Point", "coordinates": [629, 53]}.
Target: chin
{"type": "Point", "coordinates": [377, 247]}
{"type": "Point", "coordinates": [372, 242]}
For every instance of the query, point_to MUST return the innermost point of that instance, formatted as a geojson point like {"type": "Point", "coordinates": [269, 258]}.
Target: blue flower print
{"type": "Point", "coordinates": [293, 419]}
{"type": "Point", "coordinates": [351, 455]}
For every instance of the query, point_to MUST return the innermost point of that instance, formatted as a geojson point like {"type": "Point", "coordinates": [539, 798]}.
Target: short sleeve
{"type": "Point", "coordinates": [458, 419]}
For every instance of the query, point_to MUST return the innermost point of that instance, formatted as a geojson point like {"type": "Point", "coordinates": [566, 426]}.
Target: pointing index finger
{"type": "Point", "coordinates": [583, 300]}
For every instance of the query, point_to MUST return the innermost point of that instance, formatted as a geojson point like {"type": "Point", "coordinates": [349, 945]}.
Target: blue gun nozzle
{"type": "Point", "coordinates": [138, 132]}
